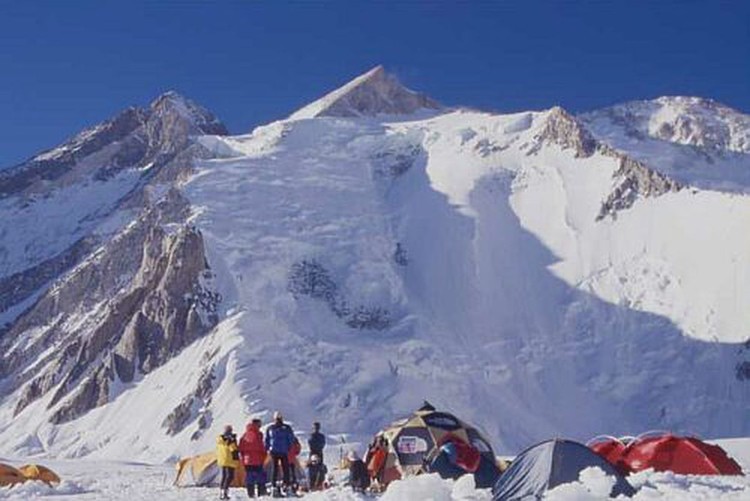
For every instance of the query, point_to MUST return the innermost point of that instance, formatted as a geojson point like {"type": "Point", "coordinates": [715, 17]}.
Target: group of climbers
{"type": "Point", "coordinates": [281, 445]}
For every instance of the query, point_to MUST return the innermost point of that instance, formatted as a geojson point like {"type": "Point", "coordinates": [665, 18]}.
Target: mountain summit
{"type": "Point", "coordinates": [373, 93]}
{"type": "Point", "coordinates": [159, 279]}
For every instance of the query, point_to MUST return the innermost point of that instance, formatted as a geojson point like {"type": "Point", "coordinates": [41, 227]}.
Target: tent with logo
{"type": "Point", "coordinates": [549, 464]}
{"type": "Point", "coordinates": [413, 442]}
{"type": "Point", "coordinates": [664, 451]}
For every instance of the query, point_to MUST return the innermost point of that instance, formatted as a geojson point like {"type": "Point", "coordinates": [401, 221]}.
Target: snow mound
{"type": "Point", "coordinates": [594, 485]}
{"type": "Point", "coordinates": [32, 489]}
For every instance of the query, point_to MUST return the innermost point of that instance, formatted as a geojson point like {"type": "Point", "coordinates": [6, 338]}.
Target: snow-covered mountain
{"type": "Point", "coordinates": [538, 273]}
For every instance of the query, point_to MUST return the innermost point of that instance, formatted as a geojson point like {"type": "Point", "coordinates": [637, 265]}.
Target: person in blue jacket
{"type": "Point", "coordinates": [279, 439]}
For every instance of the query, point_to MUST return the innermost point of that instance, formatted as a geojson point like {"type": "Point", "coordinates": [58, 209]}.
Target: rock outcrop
{"type": "Point", "coordinates": [120, 302]}
{"type": "Point", "coordinates": [632, 179]}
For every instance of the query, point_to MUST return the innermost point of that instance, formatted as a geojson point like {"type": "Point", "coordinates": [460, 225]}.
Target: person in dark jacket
{"type": "Point", "coordinates": [279, 440]}
{"type": "Point", "coordinates": [358, 477]}
{"type": "Point", "coordinates": [227, 458]}
{"type": "Point", "coordinates": [253, 455]}
{"type": "Point", "coordinates": [316, 473]}
{"type": "Point", "coordinates": [316, 442]}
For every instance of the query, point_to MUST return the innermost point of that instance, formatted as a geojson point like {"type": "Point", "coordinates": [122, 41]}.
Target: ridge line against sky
{"type": "Point", "coordinates": [69, 65]}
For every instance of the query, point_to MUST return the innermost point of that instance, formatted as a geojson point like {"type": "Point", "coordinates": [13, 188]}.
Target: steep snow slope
{"type": "Point", "coordinates": [520, 270]}
{"type": "Point", "coordinates": [469, 244]}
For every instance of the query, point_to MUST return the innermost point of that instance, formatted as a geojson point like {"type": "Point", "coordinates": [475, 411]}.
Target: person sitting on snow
{"type": "Point", "coordinates": [316, 473]}
{"type": "Point", "coordinates": [359, 480]}
{"type": "Point", "coordinates": [253, 455]}
{"type": "Point", "coordinates": [227, 456]}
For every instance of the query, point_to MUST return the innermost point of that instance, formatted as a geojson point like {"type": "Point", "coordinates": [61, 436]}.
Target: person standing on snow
{"type": "Point", "coordinates": [253, 454]}
{"type": "Point", "coordinates": [279, 440]}
{"type": "Point", "coordinates": [376, 459]}
{"type": "Point", "coordinates": [316, 442]}
{"type": "Point", "coordinates": [294, 451]}
{"type": "Point", "coordinates": [227, 456]}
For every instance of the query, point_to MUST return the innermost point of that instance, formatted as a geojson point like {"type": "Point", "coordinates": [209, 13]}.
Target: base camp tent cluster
{"type": "Point", "coordinates": [555, 462]}
{"type": "Point", "coordinates": [12, 476]}
{"type": "Point", "coordinates": [433, 441]}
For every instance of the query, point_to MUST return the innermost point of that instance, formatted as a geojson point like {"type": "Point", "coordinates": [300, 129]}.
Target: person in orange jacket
{"type": "Point", "coordinates": [253, 455]}
{"type": "Point", "coordinates": [294, 451]}
{"type": "Point", "coordinates": [376, 459]}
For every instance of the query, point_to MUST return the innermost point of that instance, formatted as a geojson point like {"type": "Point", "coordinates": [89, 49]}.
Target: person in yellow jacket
{"type": "Point", "coordinates": [228, 458]}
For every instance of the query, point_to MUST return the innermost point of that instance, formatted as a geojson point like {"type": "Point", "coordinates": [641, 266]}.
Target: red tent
{"type": "Point", "coordinates": [609, 448]}
{"type": "Point", "coordinates": [685, 455]}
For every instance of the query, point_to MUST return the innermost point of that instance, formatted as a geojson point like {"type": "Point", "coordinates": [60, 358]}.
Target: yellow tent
{"type": "Point", "coordinates": [202, 470]}
{"type": "Point", "coordinates": [10, 476]}
{"type": "Point", "coordinates": [39, 472]}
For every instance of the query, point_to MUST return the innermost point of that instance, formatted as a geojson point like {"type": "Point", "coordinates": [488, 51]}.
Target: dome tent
{"type": "Point", "coordinates": [683, 455]}
{"type": "Point", "coordinates": [39, 472]}
{"type": "Point", "coordinates": [549, 464]}
{"type": "Point", "coordinates": [203, 471]}
{"type": "Point", "coordinates": [611, 449]}
{"type": "Point", "coordinates": [10, 476]}
{"type": "Point", "coordinates": [414, 441]}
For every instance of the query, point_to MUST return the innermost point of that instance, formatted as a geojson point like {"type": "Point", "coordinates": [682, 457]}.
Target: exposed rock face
{"type": "Point", "coordinates": [374, 93]}
{"type": "Point", "coordinates": [684, 120]}
{"type": "Point", "coordinates": [562, 129]}
{"type": "Point", "coordinates": [153, 145]}
{"type": "Point", "coordinates": [149, 287]}
{"type": "Point", "coordinates": [124, 302]}
{"type": "Point", "coordinates": [308, 278]}
{"type": "Point", "coordinates": [136, 137]}
{"type": "Point", "coordinates": [53, 164]}
{"type": "Point", "coordinates": [632, 179]}
{"type": "Point", "coordinates": [194, 404]}
{"type": "Point", "coordinates": [19, 286]}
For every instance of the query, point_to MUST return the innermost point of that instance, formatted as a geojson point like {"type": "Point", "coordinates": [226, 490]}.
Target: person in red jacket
{"type": "Point", "coordinates": [253, 454]}
{"type": "Point", "coordinates": [294, 451]}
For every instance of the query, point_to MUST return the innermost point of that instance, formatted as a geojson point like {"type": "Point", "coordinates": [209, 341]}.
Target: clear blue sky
{"type": "Point", "coordinates": [68, 64]}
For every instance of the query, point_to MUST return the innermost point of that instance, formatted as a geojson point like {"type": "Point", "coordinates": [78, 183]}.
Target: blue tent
{"type": "Point", "coordinates": [549, 464]}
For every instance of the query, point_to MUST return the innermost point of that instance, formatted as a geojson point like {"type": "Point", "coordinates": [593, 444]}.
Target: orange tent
{"type": "Point", "coordinates": [39, 472]}
{"type": "Point", "coordinates": [10, 476]}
